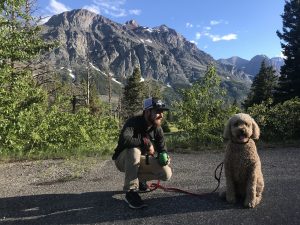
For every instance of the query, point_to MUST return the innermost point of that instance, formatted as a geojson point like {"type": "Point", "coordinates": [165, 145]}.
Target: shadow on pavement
{"type": "Point", "coordinates": [97, 207]}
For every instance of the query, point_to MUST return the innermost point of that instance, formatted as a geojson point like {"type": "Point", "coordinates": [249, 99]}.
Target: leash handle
{"type": "Point", "coordinates": [220, 174]}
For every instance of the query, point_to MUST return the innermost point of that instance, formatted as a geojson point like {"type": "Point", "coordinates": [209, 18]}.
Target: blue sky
{"type": "Point", "coordinates": [222, 28]}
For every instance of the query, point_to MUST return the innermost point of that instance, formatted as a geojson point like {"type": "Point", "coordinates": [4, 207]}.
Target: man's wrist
{"type": "Point", "coordinates": [147, 143]}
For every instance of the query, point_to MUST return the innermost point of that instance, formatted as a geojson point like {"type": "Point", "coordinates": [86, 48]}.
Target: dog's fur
{"type": "Point", "coordinates": [244, 178]}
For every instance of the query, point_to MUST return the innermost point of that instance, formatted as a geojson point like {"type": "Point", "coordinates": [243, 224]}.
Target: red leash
{"type": "Point", "coordinates": [157, 185]}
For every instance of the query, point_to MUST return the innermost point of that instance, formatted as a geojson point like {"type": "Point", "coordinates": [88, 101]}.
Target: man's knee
{"type": "Point", "coordinates": [166, 174]}
{"type": "Point", "coordinates": [134, 155]}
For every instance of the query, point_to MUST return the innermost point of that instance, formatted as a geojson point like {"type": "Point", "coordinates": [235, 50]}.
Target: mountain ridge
{"type": "Point", "coordinates": [252, 66]}
{"type": "Point", "coordinates": [160, 52]}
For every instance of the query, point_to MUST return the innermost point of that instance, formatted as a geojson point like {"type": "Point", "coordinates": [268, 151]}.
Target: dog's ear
{"type": "Point", "coordinates": [227, 130]}
{"type": "Point", "coordinates": [255, 130]}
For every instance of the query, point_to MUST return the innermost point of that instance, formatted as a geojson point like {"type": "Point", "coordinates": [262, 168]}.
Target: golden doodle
{"type": "Point", "coordinates": [244, 178]}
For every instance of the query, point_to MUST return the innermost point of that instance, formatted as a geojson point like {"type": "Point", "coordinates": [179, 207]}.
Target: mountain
{"type": "Point", "coordinates": [236, 61]}
{"type": "Point", "coordinates": [161, 53]}
{"type": "Point", "coordinates": [251, 67]}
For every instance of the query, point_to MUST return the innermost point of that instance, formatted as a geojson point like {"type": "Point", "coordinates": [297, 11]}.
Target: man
{"type": "Point", "coordinates": [140, 139]}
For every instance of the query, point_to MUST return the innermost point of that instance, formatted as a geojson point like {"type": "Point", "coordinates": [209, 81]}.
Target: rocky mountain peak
{"type": "Point", "coordinates": [252, 66]}
{"type": "Point", "coordinates": [161, 53]}
{"type": "Point", "coordinates": [132, 24]}
{"type": "Point", "coordinates": [77, 17]}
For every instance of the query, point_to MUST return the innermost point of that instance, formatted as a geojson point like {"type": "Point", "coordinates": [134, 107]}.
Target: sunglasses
{"type": "Point", "coordinates": [157, 111]}
{"type": "Point", "coordinates": [158, 104]}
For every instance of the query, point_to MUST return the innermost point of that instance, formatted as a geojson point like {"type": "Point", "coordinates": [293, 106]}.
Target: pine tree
{"type": "Point", "coordinates": [19, 38]}
{"type": "Point", "coordinates": [289, 81]}
{"type": "Point", "coordinates": [134, 90]}
{"type": "Point", "coordinates": [21, 103]}
{"type": "Point", "coordinates": [262, 87]}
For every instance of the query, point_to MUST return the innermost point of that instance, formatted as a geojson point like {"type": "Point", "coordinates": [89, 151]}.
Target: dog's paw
{"type": "Point", "coordinates": [250, 204]}
{"type": "Point", "coordinates": [258, 199]}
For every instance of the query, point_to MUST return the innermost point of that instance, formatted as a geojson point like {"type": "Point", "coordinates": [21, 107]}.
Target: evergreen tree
{"type": "Point", "coordinates": [134, 93]}
{"type": "Point", "coordinates": [289, 81]}
{"type": "Point", "coordinates": [22, 104]}
{"type": "Point", "coordinates": [153, 89]}
{"type": "Point", "coordinates": [19, 38]}
{"type": "Point", "coordinates": [262, 87]}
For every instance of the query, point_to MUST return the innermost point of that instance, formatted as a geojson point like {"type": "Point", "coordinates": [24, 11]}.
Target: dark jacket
{"type": "Point", "coordinates": [135, 134]}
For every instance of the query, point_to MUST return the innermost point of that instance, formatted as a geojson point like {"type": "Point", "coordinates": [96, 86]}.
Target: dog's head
{"type": "Point", "coordinates": [240, 128]}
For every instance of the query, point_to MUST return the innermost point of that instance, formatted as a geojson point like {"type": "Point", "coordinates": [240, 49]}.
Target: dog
{"type": "Point", "coordinates": [244, 178]}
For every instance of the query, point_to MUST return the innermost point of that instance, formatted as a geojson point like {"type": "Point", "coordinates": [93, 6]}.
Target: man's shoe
{"type": "Point", "coordinates": [134, 200]}
{"type": "Point", "coordinates": [143, 186]}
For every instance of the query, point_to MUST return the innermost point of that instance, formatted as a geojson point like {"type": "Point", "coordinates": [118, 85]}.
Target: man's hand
{"type": "Point", "coordinates": [151, 150]}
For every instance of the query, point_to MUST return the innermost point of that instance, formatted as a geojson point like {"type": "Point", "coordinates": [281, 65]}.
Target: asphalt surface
{"type": "Point", "coordinates": [97, 198]}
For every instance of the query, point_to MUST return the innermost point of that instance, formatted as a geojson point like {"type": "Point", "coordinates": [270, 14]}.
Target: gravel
{"type": "Point", "coordinates": [88, 191]}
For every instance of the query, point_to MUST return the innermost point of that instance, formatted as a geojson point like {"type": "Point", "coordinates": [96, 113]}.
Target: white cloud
{"type": "Point", "coordinates": [207, 28]}
{"type": "Point", "coordinates": [198, 35]}
{"type": "Point", "coordinates": [227, 37]}
{"type": "Point", "coordinates": [188, 25]}
{"type": "Point", "coordinates": [135, 12]}
{"type": "Point", "coordinates": [282, 55]}
{"type": "Point", "coordinates": [115, 8]}
{"type": "Point", "coordinates": [44, 19]}
{"type": "Point", "coordinates": [57, 7]}
{"type": "Point", "coordinates": [194, 42]}
{"type": "Point", "coordinates": [92, 8]}
{"type": "Point", "coordinates": [214, 22]}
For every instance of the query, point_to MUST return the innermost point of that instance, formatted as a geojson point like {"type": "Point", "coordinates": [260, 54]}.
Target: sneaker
{"type": "Point", "coordinates": [134, 200]}
{"type": "Point", "coordinates": [143, 186]}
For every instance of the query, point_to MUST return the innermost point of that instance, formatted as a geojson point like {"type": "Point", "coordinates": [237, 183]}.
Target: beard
{"type": "Point", "coordinates": [157, 121]}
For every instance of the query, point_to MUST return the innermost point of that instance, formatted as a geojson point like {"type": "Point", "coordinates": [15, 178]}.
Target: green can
{"type": "Point", "coordinates": [163, 158]}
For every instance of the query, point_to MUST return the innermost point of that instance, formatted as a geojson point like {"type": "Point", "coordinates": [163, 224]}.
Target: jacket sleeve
{"type": "Point", "coordinates": [130, 138]}
{"type": "Point", "coordinates": [160, 143]}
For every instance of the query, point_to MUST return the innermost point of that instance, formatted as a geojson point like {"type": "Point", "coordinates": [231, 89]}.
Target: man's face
{"type": "Point", "coordinates": [155, 117]}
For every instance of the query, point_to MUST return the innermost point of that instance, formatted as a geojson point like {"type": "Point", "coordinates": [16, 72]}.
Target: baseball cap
{"type": "Point", "coordinates": [154, 103]}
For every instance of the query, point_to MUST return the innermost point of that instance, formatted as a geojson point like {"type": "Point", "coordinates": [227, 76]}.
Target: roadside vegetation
{"type": "Point", "coordinates": [44, 115]}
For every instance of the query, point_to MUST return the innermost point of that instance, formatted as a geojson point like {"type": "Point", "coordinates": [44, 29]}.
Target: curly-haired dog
{"type": "Point", "coordinates": [244, 178]}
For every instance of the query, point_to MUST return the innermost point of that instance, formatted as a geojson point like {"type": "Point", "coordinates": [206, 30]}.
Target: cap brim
{"type": "Point", "coordinates": [159, 108]}
{"type": "Point", "coordinates": [162, 108]}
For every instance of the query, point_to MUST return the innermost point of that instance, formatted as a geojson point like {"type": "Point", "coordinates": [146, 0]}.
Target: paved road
{"type": "Point", "coordinates": [96, 198]}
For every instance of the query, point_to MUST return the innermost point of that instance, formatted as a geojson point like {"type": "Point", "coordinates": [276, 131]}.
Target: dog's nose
{"type": "Point", "coordinates": [242, 131]}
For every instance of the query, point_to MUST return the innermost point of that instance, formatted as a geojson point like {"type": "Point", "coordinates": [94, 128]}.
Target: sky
{"type": "Point", "coordinates": [221, 28]}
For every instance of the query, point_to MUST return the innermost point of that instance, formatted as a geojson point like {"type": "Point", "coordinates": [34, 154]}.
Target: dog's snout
{"type": "Point", "coordinates": [242, 131]}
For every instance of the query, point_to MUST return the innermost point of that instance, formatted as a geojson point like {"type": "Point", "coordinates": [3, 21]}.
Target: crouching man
{"type": "Point", "coordinates": [140, 140]}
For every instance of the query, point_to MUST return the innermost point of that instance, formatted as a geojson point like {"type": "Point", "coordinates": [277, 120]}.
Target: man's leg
{"type": "Point", "coordinates": [153, 170]}
{"type": "Point", "coordinates": [129, 162]}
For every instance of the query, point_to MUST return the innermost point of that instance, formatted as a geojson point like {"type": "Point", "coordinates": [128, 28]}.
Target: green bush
{"type": "Point", "coordinates": [203, 111]}
{"type": "Point", "coordinates": [29, 128]}
{"type": "Point", "coordinates": [278, 122]}
{"type": "Point", "coordinates": [63, 133]}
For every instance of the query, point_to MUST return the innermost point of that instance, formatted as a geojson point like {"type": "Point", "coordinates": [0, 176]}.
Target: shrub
{"type": "Point", "coordinates": [203, 111]}
{"type": "Point", "coordinates": [278, 122]}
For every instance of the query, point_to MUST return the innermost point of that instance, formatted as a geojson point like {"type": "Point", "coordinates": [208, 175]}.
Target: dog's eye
{"type": "Point", "coordinates": [236, 124]}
